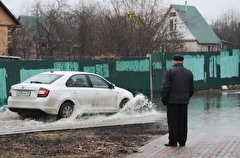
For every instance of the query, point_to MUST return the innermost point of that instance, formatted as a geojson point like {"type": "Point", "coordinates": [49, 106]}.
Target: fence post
{"type": "Point", "coordinates": [150, 76]}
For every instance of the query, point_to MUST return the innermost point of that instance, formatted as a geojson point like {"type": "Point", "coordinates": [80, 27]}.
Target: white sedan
{"type": "Point", "coordinates": [59, 92]}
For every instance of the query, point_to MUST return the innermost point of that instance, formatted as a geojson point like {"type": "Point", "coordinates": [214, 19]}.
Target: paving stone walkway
{"type": "Point", "coordinates": [200, 144]}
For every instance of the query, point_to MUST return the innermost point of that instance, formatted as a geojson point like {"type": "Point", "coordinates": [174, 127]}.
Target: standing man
{"type": "Point", "coordinates": [177, 89]}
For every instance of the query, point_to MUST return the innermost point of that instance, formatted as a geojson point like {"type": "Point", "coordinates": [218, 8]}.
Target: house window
{"type": "Point", "coordinates": [210, 48]}
{"type": "Point", "coordinates": [173, 24]}
{"type": "Point", "coordinates": [9, 39]}
{"type": "Point", "coordinates": [172, 14]}
{"type": "Point", "coordinates": [9, 34]}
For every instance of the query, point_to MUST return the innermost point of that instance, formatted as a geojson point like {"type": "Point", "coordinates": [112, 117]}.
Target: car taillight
{"type": "Point", "coordinates": [43, 92]}
{"type": "Point", "coordinates": [10, 93]}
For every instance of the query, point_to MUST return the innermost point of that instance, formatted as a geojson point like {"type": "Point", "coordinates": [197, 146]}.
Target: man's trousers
{"type": "Point", "coordinates": [177, 123]}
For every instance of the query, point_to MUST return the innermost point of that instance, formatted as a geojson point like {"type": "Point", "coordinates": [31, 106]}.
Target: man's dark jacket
{"type": "Point", "coordinates": [177, 86]}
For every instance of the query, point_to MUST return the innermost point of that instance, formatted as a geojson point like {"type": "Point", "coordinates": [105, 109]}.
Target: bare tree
{"type": "Point", "coordinates": [135, 28]}
{"type": "Point", "coordinates": [22, 43]}
{"type": "Point", "coordinates": [114, 28]}
{"type": "Point", "coordinates": [54, 29]}
{"type": "Point", "coordinates": [84, 23]}
{"type": "Point", "coordinates": [43, 32]}
{"type": "Point", "coordinates": [227, 27]}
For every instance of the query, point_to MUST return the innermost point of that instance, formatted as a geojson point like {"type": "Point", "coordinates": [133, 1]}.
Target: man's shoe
{"type": "Point", "coordinates": [182, 144]}
{"type": "Point", "coordinates": [170, 144]}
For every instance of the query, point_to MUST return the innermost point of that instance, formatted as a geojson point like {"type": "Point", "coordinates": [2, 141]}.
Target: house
{"type": "Point", "coordinates": [8, 23]}
{"type": "Point", "coordinates": [30, 39]}
{"type": "Point", "coordinates": [41, 38]}
{"type": "Point", "coordinates": [197, 34]}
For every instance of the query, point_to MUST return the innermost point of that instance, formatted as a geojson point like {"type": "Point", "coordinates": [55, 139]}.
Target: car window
{"type": "Point", "coordinates": [77, 81]}
{"type": "Point", "coordinates": [43, 78]}
{"type": "Point", "coordinates": [98, 82]}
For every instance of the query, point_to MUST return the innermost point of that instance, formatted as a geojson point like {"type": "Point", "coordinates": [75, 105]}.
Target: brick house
{"type": "Point", "coordinates": [8, 23]}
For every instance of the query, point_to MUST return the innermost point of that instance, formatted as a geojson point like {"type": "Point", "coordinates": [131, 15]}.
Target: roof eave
{"type": "Point", "coordinates": [9, 13]}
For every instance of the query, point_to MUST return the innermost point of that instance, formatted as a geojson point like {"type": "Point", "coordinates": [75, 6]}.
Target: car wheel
{"type": "Point", "coordinates": [22, 116]}
{"type": "Point", "coordinates": [123, 102]}
{"type": "Point", "coordinates": [65, 111]}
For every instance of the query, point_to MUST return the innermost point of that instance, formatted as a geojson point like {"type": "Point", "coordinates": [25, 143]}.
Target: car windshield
{"type": "Point", "coordinates": [43, 78]}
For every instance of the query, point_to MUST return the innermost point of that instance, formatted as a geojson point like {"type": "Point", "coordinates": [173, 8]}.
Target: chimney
{"type": "Point", "coordinates": [186, 6]}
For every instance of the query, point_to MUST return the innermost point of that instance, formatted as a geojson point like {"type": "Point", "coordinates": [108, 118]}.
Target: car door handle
{"type": "Point", "coordinates": [74, 92]}
{"type": "Point", "coordinates": [97, 93]}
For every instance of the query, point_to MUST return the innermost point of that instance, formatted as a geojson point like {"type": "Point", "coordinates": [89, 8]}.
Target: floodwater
{"type": "Point", "coordinates": [216, 112]}
{"type": "Point", "coordinates": [219, 112]}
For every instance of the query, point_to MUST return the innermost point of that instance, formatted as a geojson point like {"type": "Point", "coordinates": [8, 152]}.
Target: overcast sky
{"type": "Point", "coordinates": [210, 9]}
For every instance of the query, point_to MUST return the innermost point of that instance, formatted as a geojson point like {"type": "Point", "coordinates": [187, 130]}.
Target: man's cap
{"type": "Point", "coordinates": [178, 57]}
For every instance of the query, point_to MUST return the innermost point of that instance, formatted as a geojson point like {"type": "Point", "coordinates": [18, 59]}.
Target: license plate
{"type": "Point", "coordinates": [23, 93]}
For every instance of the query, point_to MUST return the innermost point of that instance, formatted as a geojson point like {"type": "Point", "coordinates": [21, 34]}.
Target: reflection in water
{"type": "Point", "coordinates": [212, 101]}
{"type": "Point", "coordinates": [213, 112]}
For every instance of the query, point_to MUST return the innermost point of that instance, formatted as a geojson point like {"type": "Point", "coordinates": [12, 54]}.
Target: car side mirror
{"type": "Point", "coordinates": [111, 86]}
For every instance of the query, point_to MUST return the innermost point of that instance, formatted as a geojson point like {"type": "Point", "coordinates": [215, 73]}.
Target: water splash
{"type": "Point", "coordinates": [3, 109]}
{"type": "Point", "coordinates": [6, 114]}
{"type": "Point", "coordinates": [137, 110]}
{"type": "Point", "coordinates": [139, 104]}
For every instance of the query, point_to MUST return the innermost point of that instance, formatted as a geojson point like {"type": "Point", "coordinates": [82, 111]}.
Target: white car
{"type": "Point", "coordinates": [59, 92]}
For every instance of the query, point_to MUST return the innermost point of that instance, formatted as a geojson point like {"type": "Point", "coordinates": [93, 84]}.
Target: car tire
{"type": "Point", "coordinates": [22, 116]}
{"type": "Point", "coordinates": [123, 102]}
{"type": "Point", "coordinates": [66, 110]}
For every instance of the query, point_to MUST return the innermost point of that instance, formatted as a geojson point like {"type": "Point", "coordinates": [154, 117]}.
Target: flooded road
{"type": "Point", "coordinates": [138, 110]}
{"type": "Point", "coordinates": [216, 112]}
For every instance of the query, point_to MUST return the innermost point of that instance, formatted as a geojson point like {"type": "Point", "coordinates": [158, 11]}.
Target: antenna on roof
{"type": "Point", "coordinates": [186, 6]}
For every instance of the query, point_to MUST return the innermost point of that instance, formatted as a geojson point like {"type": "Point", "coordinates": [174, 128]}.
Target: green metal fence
{"type": "Point", "coordinates": [138, 75]}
